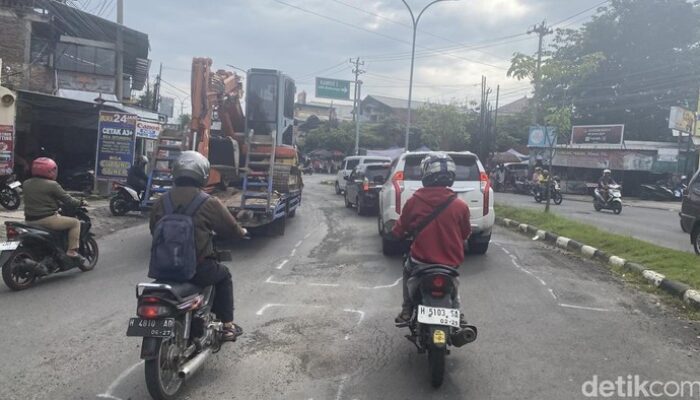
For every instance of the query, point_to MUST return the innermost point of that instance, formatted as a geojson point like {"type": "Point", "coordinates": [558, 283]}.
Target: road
{"type": "Point", "coordinates": [658, 226]}
{"type": "Point", "coordinates": [318, 305]}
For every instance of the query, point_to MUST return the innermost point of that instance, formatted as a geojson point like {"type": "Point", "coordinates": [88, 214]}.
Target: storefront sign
{"type": "Point", "coordinates": [597, 134]}
{"type": "Point", "coordinates": [147, 130]}
{"type": "Point", "coordinates": [7, 139]}
{"type": "Point", "coordinates": [86, 82]}
{"type": "Point", "coordinates": [542, 136]}
{"type": "Point", "coordinates": [115, 144]}
{"type": "Point", "coordinates": [681, 119]}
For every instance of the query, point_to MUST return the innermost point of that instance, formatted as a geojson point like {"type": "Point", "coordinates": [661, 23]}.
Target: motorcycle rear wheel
{"type": "Point", "coordinates": [557, 197]}
{"type": "Point", "coordinates": [162, 378]}
{"type": "Point", "coordinates": [436, 361]}
{"type": "Point", "coordinates": [118, 206]}
{"type": "Point", "coordinates": [9, 198]}
{"type": "Point", "coordinates": [11, 277]}
{"type": "Point", "coordinates": [91, 253]}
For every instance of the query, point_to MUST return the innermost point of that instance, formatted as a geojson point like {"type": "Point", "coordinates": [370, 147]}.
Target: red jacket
{"type": "Point", "coordinates": [442, 240]}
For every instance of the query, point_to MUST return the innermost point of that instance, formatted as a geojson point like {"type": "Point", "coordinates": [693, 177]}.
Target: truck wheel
{"type": "Point", "coordinates": [277, 227]}
{"type": "Point", "coordinates": [479, 247]}
{"type": "Point", "coordinates": [695, 237]}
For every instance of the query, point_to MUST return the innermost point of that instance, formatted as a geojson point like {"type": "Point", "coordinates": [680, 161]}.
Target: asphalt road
{"type": "Point", "coordinates": [318, 307]}
{"type": "Point", "coordinates": [658, 226]}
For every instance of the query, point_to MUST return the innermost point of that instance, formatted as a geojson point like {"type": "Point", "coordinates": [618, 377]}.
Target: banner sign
{"type": "Point", "coordinates": [147, 130]}
{"type": "Point", "coordinates": [541, 136]}
{"type": "Point", "coordinates": [116, 144]}
{"type": "Point", "coordinates": [601, 159]}
{"type": "Point", "coordinates": [597, 134]}
{"type": "Point", "coordinates": [7, 139]}
{"type": "Point", "coordinates": [333, 88]}
{"type": "Point", "coordinates": [681, 119]}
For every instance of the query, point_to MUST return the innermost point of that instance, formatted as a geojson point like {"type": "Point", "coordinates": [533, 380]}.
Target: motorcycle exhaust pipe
{"type": "Point", "coordinates": [190, 367]}
{"type": "Point", "coordinates": [464, 336]}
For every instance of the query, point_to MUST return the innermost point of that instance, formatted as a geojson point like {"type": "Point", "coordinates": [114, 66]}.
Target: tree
{"type": "Point", "coordinates": [184, 120]}
{"type": "Point", "coordinates": [444, 126]}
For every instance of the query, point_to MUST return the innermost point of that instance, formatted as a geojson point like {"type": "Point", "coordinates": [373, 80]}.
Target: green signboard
{"type": "Point", "coordinates": [333, 89]}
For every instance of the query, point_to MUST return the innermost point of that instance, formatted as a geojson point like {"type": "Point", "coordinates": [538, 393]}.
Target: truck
{"type": "Point", "coordinates": [255, 163]}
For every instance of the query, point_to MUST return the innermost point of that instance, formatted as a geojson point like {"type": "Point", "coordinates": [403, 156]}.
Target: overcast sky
{"type": "Point", "coordinates": [457, 42]}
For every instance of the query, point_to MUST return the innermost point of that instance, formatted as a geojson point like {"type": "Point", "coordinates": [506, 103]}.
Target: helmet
{"type": "Point", "coordinates": [141, 160]}
{"type": "Point", "coordinates": [192, 165]}
{"type": "Point", "coordinates": [45, 167]}
{"type": "Point", "coordinates": [538, 168]}
{"type": "Point", "coordinates": [438, 170]}
{"type": "Point", "coordinates": [606, 172]}
{"type": "Point", "coordinates": [545, 172]}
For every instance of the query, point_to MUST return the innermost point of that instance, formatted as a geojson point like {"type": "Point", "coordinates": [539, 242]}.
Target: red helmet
{"type": "Point", "coordinates": [45, 167]}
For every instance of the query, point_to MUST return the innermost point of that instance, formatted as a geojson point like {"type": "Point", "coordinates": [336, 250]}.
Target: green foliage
{"type": "Point", "coordinates": [444, 126]}
{"type": "Point", "coordinates": [184, 120]}
{"type": "Point", "coordinates": [326, 137]}
{"type": "Point", "coordinates": [512, 131]}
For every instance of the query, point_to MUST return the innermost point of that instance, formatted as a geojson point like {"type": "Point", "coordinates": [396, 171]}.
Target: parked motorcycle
{"type": "Point", "coordinates": [435, 323]}
{"type": "Point", "coordinates": [554, 193]}
{"type": "Point", "coordinates": [81, 179]}
{"type": "Point", "coordinates": [125, 199]}
{"type": "Point", "coordinates": [613, 202]}
{"type": "Point", "coordinates": [10, 189]}
{"type": "Point", "coordinates": [31, 250]}
{"type": "Point", "coordinates": [658, 192]}
{"type": "Point", "coordinates": [179, 332]}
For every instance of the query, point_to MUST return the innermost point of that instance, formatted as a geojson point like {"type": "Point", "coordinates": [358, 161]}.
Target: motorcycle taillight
{"type": "Point", "coordinates": [151, 308]}
{"type": "Point", "coordinates": [11, 233]}
{"type": "Point", "coordinates": [437, 286]}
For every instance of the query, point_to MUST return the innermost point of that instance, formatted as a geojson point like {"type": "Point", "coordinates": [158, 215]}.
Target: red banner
{"type": "Point", "coordinates": [7, 140]}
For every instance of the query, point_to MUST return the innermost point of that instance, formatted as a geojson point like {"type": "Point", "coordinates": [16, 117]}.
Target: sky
{"type": "Point", "coordinates": [457, 41]}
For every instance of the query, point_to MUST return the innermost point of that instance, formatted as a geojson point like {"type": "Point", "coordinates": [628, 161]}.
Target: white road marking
{"type": "Point", "coordinates": [266, 306]}
{"type": "Point", "coordinates": [358, 312]}
{"type": "Point", "coordinates": [109, 393]}
{"type": "Point", "coordinates": [551, 291]}
{"type": "Point", "coordinates": [518, 266]}
{"type": "Point", "coordinates": [324, 284]}
{"type": "Point", "coordinates": [583, 307]}
{"type": "Point", "coordinates": [269, 280]}
{"type": "Point", "coordinates": [382, 286]}
{"type": "Point", "coordinates": [505, 250]}
{"type": "Point", "coordinates": [298, 244]}
{"type": "Point", "coordinates": [339, 394]}
{"type": "Point", "coordinates": [308, 235]}
{"type": "Point", "coordinates": [294, 251]}
{"type": "Point", "coordinates": [282, 263]}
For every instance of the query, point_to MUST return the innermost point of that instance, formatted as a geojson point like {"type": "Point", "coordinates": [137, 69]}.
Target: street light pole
{"type": "Point", "coordinates": [413, 55]}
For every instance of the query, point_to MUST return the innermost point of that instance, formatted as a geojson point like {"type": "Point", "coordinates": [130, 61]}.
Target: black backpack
{"type": "Point", "coordinates": [173, 250]}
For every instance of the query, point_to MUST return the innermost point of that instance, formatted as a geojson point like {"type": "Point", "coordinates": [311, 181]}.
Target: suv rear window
{"type": "Point", "coordinates": [375, 161]}
{"type": "Point", "coordinates": [352, 164]}
{"type": "Point", "coordinates": [467, 169]}
{"type": "Point", "coordinates": [374, 171]}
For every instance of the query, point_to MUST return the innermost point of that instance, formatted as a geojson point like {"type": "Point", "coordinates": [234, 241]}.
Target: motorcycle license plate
{"type": "Point", "coordinates": [8, 245]}
{"type": "Point", "coordinates": [14, 185]}
{"type": "Point", "coordinates": [151, 327]}
{"type": "Point", "coordinates": [438, 316]}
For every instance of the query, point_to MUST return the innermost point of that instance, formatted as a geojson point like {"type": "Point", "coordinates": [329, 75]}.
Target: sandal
{"type": "Point", "coordinates": [230, 334]}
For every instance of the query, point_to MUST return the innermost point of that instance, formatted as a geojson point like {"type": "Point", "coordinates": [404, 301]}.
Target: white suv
{"type": "Point", "coordinates": [471, 184]}
{"type": "Point", "coordinates": [351, 162]}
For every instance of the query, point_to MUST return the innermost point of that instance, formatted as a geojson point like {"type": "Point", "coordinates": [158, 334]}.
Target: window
{"type": "Point", "coordinates": [411, 170]}
{"type": "Point", "coordinates": [262, 98]}
{"type": "Point", "coordinates": [375, 161]}
{"type": "Point", "coordinates": [467, 169]}
{"type": "Point", "coordinates": [352, 164]}
{"type": "Point", "coordinates": [375, 171]}
{"type": "Point", "coordinates": [40, 46]}
{"type": "Point", "coordinates": [85, 59]}
{"type": "Point", "coordinates": [289, 92]}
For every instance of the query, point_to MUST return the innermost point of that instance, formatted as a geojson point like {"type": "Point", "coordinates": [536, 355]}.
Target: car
{"type": "Point", "coordinates": [363, 186]}
{"type": "Point", "coordinates": [690, 212]}
{"type": "Point", "coordinates": [349, 163]}
{"type": "Point", "coordinates": [471, 184]}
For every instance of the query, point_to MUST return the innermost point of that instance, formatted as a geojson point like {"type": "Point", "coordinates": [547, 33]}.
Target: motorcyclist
{"type": "Point", "coordinates": [191, 172]}
{"type": "Point", "coordinates": [43, 196]}
{"type": "Point", "coordinates": [137, 178]}
{"type": "Point", "coordinates": [604, 183]}
{"type": "Point", "coordinates": [442, 240]}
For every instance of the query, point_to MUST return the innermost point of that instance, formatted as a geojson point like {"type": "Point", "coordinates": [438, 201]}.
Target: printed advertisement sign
{"type": "Point", "coordinates": [116, 143]}
{"type": "Point", "coordinates": [681, 119]}
{"type": "Point", "coordinates": [538, 138]}
{"type": "Point", "coordinates": [597, 134]}
{"type": "Point", "coordinates": [7, 139]}
{"type": "Point", "coordinates": [147, 130]}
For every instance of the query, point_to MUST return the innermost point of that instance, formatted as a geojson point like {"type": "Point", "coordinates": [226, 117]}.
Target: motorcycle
{"type": "Point", "coordinates": [613, 202]}
{"type": "Point", "coordinates": [435, 323]}
{"type": "Point", "coordinates": [125, 199]}
{"type": "Point", "coordinates": [79, 179]}
{"type": "Point", "coordinates": [658, 192]}
{"type": "Point", "coordinates": [10, 189]}
{"type": "Point", "coordinates": [554, 192]}
{"type": "Point", "coordinates": [179, 332]}
{"type": "Point", "coordinates": [31, 251]}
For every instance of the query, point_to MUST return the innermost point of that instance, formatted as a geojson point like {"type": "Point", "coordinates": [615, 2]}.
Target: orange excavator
{"type": "Point", "coordinates": [255, 165]}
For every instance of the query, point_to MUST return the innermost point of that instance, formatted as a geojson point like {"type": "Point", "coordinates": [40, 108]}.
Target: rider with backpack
{"type": "Point", "coordinates": [438, 221]}
{"type": "Point", "coordinates": [182, 222]}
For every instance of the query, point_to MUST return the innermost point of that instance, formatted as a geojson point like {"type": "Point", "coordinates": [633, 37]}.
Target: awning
{"type": "Point", "coordinates": [45, 109]}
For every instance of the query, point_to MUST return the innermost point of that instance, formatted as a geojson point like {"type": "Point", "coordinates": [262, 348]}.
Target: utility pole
{"type": "Point", "coordinates": [356, 103]}
{"type": "Point", "coordinates": [156, 90]}
{"type": "Point", "coordinates": [120, 52]}
{"type": "Point", "coordinates": [495, 117]}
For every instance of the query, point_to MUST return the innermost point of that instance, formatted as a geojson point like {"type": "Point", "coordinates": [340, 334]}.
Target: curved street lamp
{"type": "Point", "coordinates": [413, 54]}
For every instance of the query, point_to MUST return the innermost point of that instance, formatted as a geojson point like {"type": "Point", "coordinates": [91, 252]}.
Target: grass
{"type": "Point", "coordinates": [677, 265]}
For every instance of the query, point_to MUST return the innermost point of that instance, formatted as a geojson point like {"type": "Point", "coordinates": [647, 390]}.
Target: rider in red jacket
{"type": "Point", "coordinates": [442, 240]}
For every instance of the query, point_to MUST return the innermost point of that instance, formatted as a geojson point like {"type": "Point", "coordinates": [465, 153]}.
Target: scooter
{"type": "Point", "coordinates": [554, 192]}
{"type": "Point", "coordinates": [614, 201]}
{"type": "Point", "coordinates": [125, 199]}
{"type": "Point", "coordinates": [10, 189]}
{"type": "Point", "coordinates": [179, 332]}
{"type": "Point", "coordinates": [32, 252]}
{"type": "Point", "coordinates": [435, 323]}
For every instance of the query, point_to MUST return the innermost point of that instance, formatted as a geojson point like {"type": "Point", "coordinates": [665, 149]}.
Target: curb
{"type": "Point", "coordinates": [677, 289]}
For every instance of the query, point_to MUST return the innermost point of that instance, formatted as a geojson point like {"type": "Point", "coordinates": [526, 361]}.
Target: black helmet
{"type": "Point", "coordinates": [192, 165]}
{"type": "Point", "coordinates": [438, 170]}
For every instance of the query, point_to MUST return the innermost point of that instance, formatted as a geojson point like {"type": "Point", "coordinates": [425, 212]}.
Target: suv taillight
{"type": "Point", "coordinates": [485, 189]}
{"type": "Point", "coordinates": [397, 181]}
{"type": "Point", "coordinates": [365, 185]}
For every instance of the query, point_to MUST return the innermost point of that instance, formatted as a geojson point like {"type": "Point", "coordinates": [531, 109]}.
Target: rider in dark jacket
{"type": "Point", "coordinates": [137, 178]}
